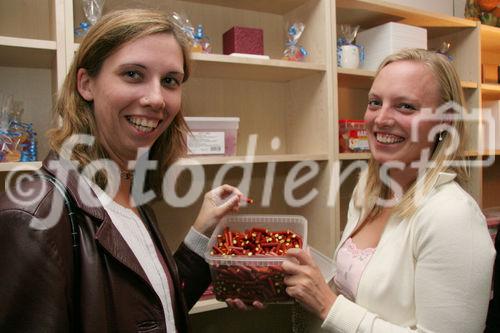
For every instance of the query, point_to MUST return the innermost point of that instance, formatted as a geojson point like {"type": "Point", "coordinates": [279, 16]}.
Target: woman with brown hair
{"type": "Point", "coordinates": [120, 105]}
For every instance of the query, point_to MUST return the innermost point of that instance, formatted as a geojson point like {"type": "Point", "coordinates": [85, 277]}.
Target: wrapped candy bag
{"type": "Point", "coordinates": [201, 42]}
{"type": "Point", "coordinates": [293, 51]}
{"type": "Point", "coordinates": [17, 139]}
{"type": "Point", "coordinates": [93, 12]}
{"type": "Point", "coordinates": [444, 49]}
{"type": "Point", "coordinates": [184, 24]}
{"type": "Point", "coordinates": [197, 38]}
{"type": "Point", "coordinates": [349, 55]}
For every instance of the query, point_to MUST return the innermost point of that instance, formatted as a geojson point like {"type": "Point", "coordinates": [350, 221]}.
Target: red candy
{"type": "Point", "coordinates": [250, 282]}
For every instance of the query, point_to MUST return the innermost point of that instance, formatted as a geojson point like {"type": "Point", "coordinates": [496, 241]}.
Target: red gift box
{"type": "Point", "coordinates": [243, 40]}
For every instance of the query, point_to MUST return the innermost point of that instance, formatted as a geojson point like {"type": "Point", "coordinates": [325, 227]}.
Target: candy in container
{"type": "Point", "coordinates": [245, 254]}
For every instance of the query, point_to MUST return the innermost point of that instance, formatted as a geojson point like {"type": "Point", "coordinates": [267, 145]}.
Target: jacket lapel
{"type": "Point", "coordinates": [112, 241]}
{"type": "Point", "coordinates": [107, 235]}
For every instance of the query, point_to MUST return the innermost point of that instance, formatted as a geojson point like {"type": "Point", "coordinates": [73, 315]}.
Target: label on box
{"type": "Point", "coordinates": [358, 140]}
{"type": "Point", "coordinates": [206, 143]}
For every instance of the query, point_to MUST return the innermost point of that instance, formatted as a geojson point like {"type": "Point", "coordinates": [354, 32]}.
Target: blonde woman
{"type": "Point", "coordinates": [415, 255]}
{"type": "Point", "coordinates": [121, 98]}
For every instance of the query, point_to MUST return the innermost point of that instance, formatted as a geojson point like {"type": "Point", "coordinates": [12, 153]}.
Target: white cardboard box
{"type": "Point", "coordinates": [389, 38]}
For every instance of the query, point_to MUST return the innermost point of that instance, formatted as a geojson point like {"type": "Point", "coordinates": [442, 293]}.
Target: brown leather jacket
{"type": "Point", "coordinates": [37, 272]}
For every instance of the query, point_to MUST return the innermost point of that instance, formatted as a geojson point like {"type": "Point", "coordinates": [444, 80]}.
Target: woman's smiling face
{"type": "Point", "coordinates": [398, 97]}
{"type": "Point", "coordinates": [136, 94]}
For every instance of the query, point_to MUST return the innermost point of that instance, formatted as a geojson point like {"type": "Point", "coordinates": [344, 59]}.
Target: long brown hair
{"type": "Point", "coordinates": [75, 115]}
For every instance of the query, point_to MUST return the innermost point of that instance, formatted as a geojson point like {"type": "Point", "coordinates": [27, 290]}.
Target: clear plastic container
{"type": "Point", "coordinates": [352, 136]}
{"type": "Point", "coordinates": [257, 277]}
{"type": "Point", "coordinates": [212, 135]}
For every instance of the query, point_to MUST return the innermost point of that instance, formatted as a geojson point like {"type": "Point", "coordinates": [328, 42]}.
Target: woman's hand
{"type": "Point", "coordinates": [216, 204]}
{"type": "Point", "coordinates": [306, 283]}
{"type": "Point", "coordinates": [240, 305]}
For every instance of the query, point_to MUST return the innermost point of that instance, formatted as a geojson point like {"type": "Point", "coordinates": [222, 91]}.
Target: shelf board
{"type": "Point", "coordinates": [469, 84]}
{"type": "Point", "coordinates": [369, 13]}
{"type": "Point", "coordinates": [366, 156]}
{"type": "Point", "coordinates": [490, 38]}
{"type": "Point", "coordinates": [207, 305]}
{"type": "Point", "coordinates": [490, 91]}
{"type": "Point", "coordinates": [360, 78]}
{"type": "Point", "coordinates": [215, 160]}
{"type": "Point", "coordinates": [18, 166]}
{"type": "Point", "coordinates": [355, 78]}
{"type": "Point", "coordinates": [26, 52]}
{"type": "Point", "coordinates": [238, 68]}
{"type": "Point", "coordinates": [354, 156]}
{"type": "Point", "coordinates": [274, 6]}
{"type": "Point", "coordinates": [471, 153]}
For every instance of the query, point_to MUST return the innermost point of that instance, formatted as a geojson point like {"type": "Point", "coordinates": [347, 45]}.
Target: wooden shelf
{"type": "Point", "coordinates": [469, 84]}
{"type": "Point", "coordinates": [366, 156]}
{"type": "Point", "coordinates": [10, 166]}
{"type": "Point", "coordinates": [490, 38]}
{"type": "Point", "coordinates": [490, 91]}
{"type": "Point", "coordinates": [361, 78]}
{"type": "Point", "coordinates": [238, 68]}
{"type": "Point", "coordinates": [274, 6]}
{"type": "Point", "coordinates": [25, 52]}
{"type": "Point", "coordinates": [354, 156]}
{"type": "Point", "coordinates": [355, 78]}
{"type": "Point", "coordinates": [369, 13]}
{"type": "Point", "coordinates": [215, 160]}
{"type": "Point", "coordinates": [207, 305]}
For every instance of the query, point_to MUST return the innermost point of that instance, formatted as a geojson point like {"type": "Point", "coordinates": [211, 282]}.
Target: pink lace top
{"type": "Point", "coordinates": [351, 263]}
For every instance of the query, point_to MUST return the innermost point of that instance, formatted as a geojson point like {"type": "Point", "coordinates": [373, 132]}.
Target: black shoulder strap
{"type": "Point", "coordinates": [70, 205]}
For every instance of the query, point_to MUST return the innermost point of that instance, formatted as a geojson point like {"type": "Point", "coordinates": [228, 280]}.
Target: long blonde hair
{"type": "Point", "coordinates": [104, 38]}
{"type": "Point", "coordinates": [370, 186]}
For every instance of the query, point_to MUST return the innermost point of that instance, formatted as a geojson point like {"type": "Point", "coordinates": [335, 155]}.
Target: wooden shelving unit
{"type": "Point", "coordinates": [237, 160]}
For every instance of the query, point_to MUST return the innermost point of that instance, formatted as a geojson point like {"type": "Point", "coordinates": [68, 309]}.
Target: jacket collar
{"type": "Point", "coordinates": [107, 235]}
{"type": "Point", "coordinates": [77, 187]}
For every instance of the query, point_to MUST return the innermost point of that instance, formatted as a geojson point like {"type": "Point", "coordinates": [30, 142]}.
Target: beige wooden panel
{"type": "Point", "coordinates": [462, 42]}
{"type": "Point", "coordinates": [260, 106]}
{"type": "Point", "coordinates": [322, 224]}
{"type": "Point", "coordinates": [307, 116]}
{"type": "Point", "coordinates": [352, 103]}
{"type": "Point", "coordinates": [490, 57]}
{"type": "Point", "coordinates": [490, 38]}
{"type": "Point", "coordinates": [16, 56]}
{"type": "Point", "coordinates": [26, 19]}
{"type": "Point", "coordinates": [346, 190]}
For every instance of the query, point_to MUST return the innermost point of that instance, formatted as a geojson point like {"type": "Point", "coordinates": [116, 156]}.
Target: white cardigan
{"type": "Point", "coordinates": [429, 273]}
